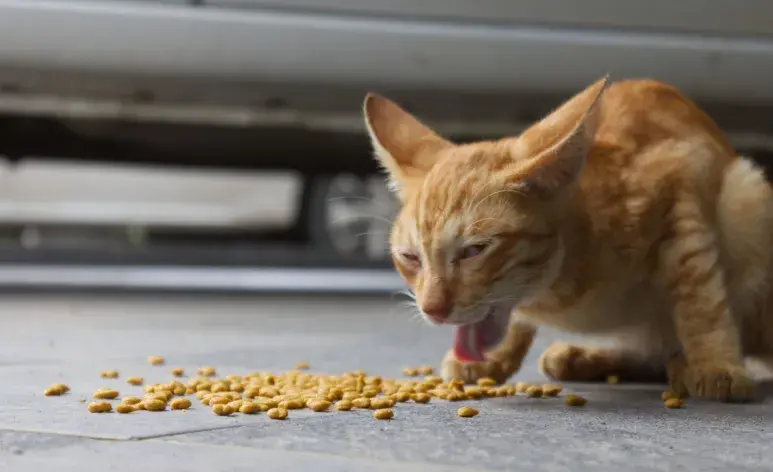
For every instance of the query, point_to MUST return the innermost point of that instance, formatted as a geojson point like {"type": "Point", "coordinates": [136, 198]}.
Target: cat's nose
{"type": "Point", "coordinates": [437, 313]}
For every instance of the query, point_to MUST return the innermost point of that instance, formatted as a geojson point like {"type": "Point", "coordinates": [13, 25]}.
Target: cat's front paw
{"type": "Point", "coordinates": [568, 363]}
{"type": "Point", "coordinates": [724, 383]}
{"type": "Point", "coordinates": [470, 372]}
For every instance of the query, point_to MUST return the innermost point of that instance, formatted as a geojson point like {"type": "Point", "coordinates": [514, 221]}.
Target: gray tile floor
{"type": "Point", "coordinates": [72, 338]}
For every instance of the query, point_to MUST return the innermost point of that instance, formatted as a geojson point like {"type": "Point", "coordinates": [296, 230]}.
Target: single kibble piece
{"type": "Point", "coordinates": [109, 374]}
{"type": "Point", "coordinates": [613, 379]}
{"type": "Point", "coordinates": [467, 412]}
{"type": "Point", "coordinates": [131, 400]}
{"type": "Point", "coordinates": [156, 360]}
{"type": "Point", "coordinates": [207, 371]}
{"type": "Point", "coordinates": [669, 395]}
{"type": "Point", "coordinates": [420, 397]}
{"type": "Point", "coordinates": [125, 408]}
{"type": "Point", "coordinates": [100, 407]}
{"type": "Point", "coordinates": [153, 404]}
{"type": "Point", "coordinates": [410, 372]}
{"type": "Point", "coordinates": [319, 405]}
{"type": "Point", "coordinates": [344, 405]}
{"type": "Point", "coordinates": [486, 382]}
{"type": "Point", "coordinates": [178, 372]}
{"type": "Point", "coordinates": [455, 396]}
{"type": "Point", "coordinates": [106, 394]}
{"type": "Point", "coordinates": [402, 396]}
{"type": "Point", "coordinates": [136, 381]}
{"type": "Point", "coordinates": [301, 366]}
{"type": "Point", "coordinates": [674, 403]}
{"type": "Point", "coordinates": [521, 387]}
{"type": "Point", "coordinates": [534, 392]}
{"type": "Point", "coordinates": [551, 390]}
{"type": "Point", "coordinates": [55, 390]}
{"type": "Point", "coordinates": [249, 408]}
{"type": "Point", "coordinates": [473, 393]}
{"type": "Point", "coordinates": [277, 413]}
{"type": "Point", "coordinates": [236, 404]}
{"type": "Point", "coordinates": [222, 410]}
{"type": "Point", "coordinates": [180, 404]}
{"type": "Point", "coordinates": [575, 400]}
{"type": "Point", "coordinates": [383, 414]}
{"type": "Point", "coordinates": [426, 370]}
{"type": "Point", "coordinates": [433, 380]}
{"type": "Point", "coordinates": [361, 402]}
{"type": "Point", "coordinates": [218, 400]}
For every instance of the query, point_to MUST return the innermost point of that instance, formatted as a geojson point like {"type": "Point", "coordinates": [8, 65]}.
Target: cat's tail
{"type": "Point", "coordinates": [745, 217]}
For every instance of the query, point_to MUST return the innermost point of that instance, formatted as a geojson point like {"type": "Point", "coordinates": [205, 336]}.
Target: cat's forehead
{"type": "Point", "coordinates": [453, 196]}
{"type": "Point", "coordinates": [460, 174]}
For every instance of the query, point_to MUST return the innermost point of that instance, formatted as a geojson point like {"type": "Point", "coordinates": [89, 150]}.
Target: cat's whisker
{"type": "Point", "coordinates": [333, 199]}
{"type": "Point", "coordinates": [358, 216]}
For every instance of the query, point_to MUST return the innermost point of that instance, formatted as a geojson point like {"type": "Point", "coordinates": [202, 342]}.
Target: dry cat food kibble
{"type": "Point", "coordinates": [156, 360]}
{"type": "Point", "coordinates": [534, 391]}
{"type": "Point", "coordinates": [100, 407]}
{"type": "Point", "coordinates": [131, 400]}
{"type": "Point", "coordinates": [125, 408]}
{"type": "Point", "coordinates": [109, 374]}
{"type": "Point", "coordinates": [178, 372]}
{"type": "Point", "coordinates": [613, 380]}
{"type": "Point", "coordinates": [674, 403]}
{"type": "Point", "coordinates": [153, 404]}
{"type": "Point", "coordinates": [223, 410]}
{"type": "Point", "coordinates": [56, 390]}
{"type": "Point", "coordinates": [344, 405]}
{"type": "Point", "coordinates": [275, 394]}
{"type": "Point", "coordinates": [249, 408]}
{"type": "Point", "coordinates": [383, 414]}
{"type": "Point", "coordinates": [575, 400]}
{"type": "Point", "coordinates": [467, 412]}
{"type": "Point", "coordinates": [301, 366]}
{"type": "Point", "coordinates": [486, 382]}
{"type": "Point", "coordinates": [180, 404]}
{"type": "Point", "coordinates": [277, 413]}
{"type": "Point", "coordinates": [106, 394]}
{"type": "Point", "coordinates": [207, 371]}
{"type": "Point", "coordinates": [420, 397]}
{"type": "Point", "coordinates": [410, 372]}
{"type": "Point", "coordinates": [319, 405]}
{"type": "Point", "coordinates": [669, 395]}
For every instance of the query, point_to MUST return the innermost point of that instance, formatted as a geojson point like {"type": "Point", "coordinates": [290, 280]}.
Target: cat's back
{"type": "Point", "coordinates": [638, 114]}
{"type": "Point", "coordinates": [652, 144]}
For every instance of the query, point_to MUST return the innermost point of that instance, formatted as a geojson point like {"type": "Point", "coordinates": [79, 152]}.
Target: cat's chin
{"type": "Point", "coordinates": [471, 341]}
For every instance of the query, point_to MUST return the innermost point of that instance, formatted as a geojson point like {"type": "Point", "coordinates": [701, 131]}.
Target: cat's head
{"type": "Point", "coordinates": [478, 231]}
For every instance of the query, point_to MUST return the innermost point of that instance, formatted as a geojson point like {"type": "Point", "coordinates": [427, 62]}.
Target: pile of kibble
{"type": "Point", "coordinates": [276, 394]}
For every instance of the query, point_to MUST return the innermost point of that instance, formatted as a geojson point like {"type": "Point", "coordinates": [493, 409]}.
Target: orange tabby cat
{"type": "Point", "coordinates": [625, 213]}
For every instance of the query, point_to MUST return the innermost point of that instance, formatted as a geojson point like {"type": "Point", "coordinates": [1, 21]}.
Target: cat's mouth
{"type": "Point", "coordinates": [471, 341]}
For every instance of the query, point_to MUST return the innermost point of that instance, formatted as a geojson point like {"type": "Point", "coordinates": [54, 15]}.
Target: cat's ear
{"type": "Point", "coordinates": [558, 145]}
{"type": "Point", "coordinates": [406, 148]}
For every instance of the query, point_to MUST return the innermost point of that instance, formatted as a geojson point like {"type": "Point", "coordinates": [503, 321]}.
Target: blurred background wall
{"type": "Point", "coordinates": [218, 144]}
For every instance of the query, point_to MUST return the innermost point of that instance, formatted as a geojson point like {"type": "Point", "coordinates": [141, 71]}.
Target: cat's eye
{"type": "Point", "coordinates": [472, 250]}
{"type": "Point", "coordinates": [411, 258]}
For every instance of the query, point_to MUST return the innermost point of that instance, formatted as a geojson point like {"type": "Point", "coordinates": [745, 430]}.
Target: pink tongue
{"type": "Point", "coordinates": [468, 342]}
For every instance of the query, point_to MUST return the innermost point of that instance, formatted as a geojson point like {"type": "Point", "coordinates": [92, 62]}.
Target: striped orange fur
{"type": "Point", "coordinates": [624, 213]}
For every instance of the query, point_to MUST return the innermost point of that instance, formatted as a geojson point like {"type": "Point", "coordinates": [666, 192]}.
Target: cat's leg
{"type": "Point", "coordinates": [677, 376]}
{"type": "Point", "coordinates": [694, 278]}
{"type": "Point", "coordinates": [500, 364]}
{"type": "Point", "coordinates": [570, 363]}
